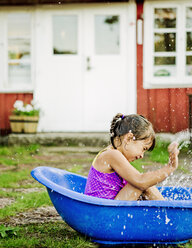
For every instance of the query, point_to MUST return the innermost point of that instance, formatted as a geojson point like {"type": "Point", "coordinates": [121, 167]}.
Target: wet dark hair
{"type": "Point", "coordinates": [138, 125]}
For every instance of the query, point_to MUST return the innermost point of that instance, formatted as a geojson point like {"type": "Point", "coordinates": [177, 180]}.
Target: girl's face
{"type": "Point", "coordinates": [134, 149]}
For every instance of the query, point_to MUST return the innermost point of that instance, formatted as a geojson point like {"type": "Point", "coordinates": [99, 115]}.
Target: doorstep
{"type": "Point", "coordinates": [60, 139]}
{"type": "Point", "coordinates": [94, 139]}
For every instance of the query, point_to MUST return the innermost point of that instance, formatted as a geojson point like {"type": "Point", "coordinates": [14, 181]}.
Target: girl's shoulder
{"type": "Point", "coordinates": [109, 153]}
{"type": "Point", "coordinates": [105, 158]}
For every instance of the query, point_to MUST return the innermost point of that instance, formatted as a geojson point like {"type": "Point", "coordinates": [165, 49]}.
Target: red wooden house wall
{"type": "Point", "coordinates": [6, 105]}
{"type": "Point", "coordinates": [167, 109]}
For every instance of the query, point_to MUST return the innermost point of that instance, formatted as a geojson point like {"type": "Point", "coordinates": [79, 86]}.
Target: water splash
{"type": "Point", "coordinates": [183, 175]}
{"type": "Point", "coordinates": [178, 137]}
{"type": "Point", "coordinates": [184, 144]}
{"type": "Point", "coordinates": [183, 136]}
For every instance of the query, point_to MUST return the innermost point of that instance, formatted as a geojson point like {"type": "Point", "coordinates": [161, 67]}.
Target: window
{"type": "Point", "coordinates": [19, 49]}
{"type": "Point", "coordinates": [167, 44]}
{"type": "Point", "coordinates": [65, 35]}
{"type": "Point", "coordinates": [107, 34]}
{"type": "Point", "coordinates": [188, 34]}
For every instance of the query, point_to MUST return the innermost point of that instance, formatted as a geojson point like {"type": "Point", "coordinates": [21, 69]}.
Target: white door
{"type": "Point", "coordinates": [107, 79]}
{"type": "Point", "coordinates": [59, 69]}
{"type": "Point", "coordinates": [89, 66]}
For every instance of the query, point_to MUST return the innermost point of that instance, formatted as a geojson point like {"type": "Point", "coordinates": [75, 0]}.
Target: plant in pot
{"type": "Point", "coordinates": [24, 117]}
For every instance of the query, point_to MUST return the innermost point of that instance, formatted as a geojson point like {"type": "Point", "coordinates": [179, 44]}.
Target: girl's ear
{"type": "Point", "coordinates": [128, 136]}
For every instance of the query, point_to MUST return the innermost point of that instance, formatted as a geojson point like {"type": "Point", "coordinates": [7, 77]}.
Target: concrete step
{"type": "Point", "coordinates": [60, 139]}
{"type": "Point", "coordinates": [80, 139]}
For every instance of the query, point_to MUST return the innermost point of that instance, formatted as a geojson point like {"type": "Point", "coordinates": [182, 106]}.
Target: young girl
{"type": "Point", "coordinates": [113, 177]}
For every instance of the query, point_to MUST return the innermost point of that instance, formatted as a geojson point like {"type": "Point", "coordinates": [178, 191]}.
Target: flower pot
{"type": "Point", "coordinates": [30, 124]}
{"type": "Point", "coordinates": [24, 124]}
{"type": "Point", "coordinates": [17, 123]}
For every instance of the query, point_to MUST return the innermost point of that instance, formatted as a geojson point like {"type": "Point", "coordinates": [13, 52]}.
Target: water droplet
{"type": "Point", "coordinates": [167, 220]}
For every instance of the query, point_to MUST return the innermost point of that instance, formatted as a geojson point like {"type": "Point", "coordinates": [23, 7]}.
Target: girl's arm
{"type": "Point", "coordinates": [143, 181]}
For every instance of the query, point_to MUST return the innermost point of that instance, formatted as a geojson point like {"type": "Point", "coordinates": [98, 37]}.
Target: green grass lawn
{"type": "Point", "coordinates": [52, 235]}
{"type": "Point", "coordinates": [16, 164]}
{"type": "Point", "coordinates": [16, 155]}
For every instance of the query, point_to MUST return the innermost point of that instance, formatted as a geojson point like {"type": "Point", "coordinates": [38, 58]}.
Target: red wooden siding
{"type": "Point", "coordinates": [167, 109]}
{"type": "Point", "coordinates": [6, 105]}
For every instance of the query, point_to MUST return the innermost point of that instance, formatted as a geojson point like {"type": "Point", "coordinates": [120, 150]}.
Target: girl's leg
{"type": "Point", "coordinates": [129, 193]}
{"type": "Point", "coordinates": [153, 193]}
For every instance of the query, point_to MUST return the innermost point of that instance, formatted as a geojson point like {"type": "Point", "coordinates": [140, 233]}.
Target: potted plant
{"type": "Point", "coordinates": [24, 117]}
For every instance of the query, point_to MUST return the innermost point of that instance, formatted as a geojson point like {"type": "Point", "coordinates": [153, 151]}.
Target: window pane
{"type": "Point", "coordinates": [164, 66]}
{"type": "Point", "coordinates": [165, 18]}
{"type": "Point", "coordinates": [164, 71]}
{"type": "Point", "coordinates": [189, 41]}
{"type": "Point", "coordinates": [189, 65]}
{"type": "Point", "coordinates": [19, 49]}
{"type": "Point", "coordinates": [107, 35]}
{"type": "Point", "coordinates": [189, 17]}
{"type": "Point", "coordinates": [19, 73]}
{"type": "Point", "coordinates": [164, 60]}
{"type": "Point", "coordinates": [19, 25]}
{"type": "Point", "coordinates": [65, 30]}
{"type": "Point", "coordinates": [165, 42]}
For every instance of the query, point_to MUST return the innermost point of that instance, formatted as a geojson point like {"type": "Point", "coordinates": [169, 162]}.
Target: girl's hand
{"type": "Point", "coordinates": [173, 155]}
{"type": "Point", "coordinates": [173, 147]}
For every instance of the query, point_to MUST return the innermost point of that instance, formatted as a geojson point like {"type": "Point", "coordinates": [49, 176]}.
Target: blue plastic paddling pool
{"type": "Point", "coordinates": [119, 222]}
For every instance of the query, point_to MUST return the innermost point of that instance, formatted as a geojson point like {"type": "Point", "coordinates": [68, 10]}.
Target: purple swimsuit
{"type": "Point", "coordinates": [103, 185]}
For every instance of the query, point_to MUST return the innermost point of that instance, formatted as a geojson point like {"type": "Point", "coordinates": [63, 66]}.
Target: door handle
{"type": "Point", "coordinates": [88, 64]}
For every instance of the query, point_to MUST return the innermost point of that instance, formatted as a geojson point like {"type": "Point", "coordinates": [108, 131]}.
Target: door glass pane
{"type": "Point", "coordinates": [189, 65]}
{"type": "Point", "coordinates": [107, 34]}
{"type": "Point", "coordinates": [189, 41]}
{"type": "Point", "coordinates": [19, 48]}
{"type": "Point", "coordinates": [19, 73]}
{"type": "Point", "coordinates": [189, 17]}
{"type": "Point", "coordinates": [165, 42]}
{"type": "Point", "coordinates": [65, 31]}
{"type": "Point", "coordinates": [19, 25]}
{"type": "Point", "coordinates": [164, 66]}
{"type": "Point", "coordinates": [165, 18]}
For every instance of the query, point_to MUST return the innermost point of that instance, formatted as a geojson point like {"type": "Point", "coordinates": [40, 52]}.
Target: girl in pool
{"type": "Point", "coordinates": [113, 177]}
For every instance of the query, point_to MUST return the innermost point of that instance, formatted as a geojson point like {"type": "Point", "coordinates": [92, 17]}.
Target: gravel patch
{"type": "Point", "coordinates": [39, 215]}
{"type": "Point", "coordinates": [5, 202]}
{"type": "Point", "coordinates": [23, 190]}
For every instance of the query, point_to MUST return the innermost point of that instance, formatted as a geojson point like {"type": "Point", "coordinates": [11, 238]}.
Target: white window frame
{"type": "Point", "coordinates": [5, 86]}
{"type": "Point", "coordinates": [181, 80]}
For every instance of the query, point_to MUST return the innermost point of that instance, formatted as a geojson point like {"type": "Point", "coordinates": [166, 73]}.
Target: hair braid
{"type": "Point", "coordinates": [114, 123]}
